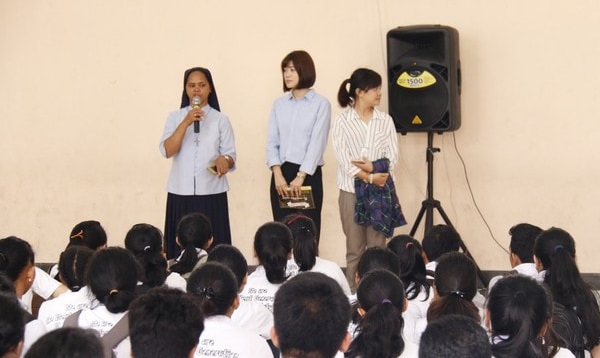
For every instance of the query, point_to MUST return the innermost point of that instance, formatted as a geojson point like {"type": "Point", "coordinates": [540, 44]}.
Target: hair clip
{"type": "Point", "coordinates": [113, 291]}
{"type": "Point", "coordinates": [207, 292]}
{"type": "Point", "coordinates": [408, 244]}
{"type": "Point", "coordinates": [558, 247]}
{"type": "Point", "coordinates": [458, 293]}
{"type": "Point", "coordinates": [79, 235]}
{"type": "Point", "coordinates": [385, 300]}
{"type": "Point", "coordinates": [147, 248]}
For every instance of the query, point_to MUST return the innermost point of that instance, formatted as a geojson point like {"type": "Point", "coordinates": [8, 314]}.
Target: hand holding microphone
{"type": "Point", "coordinates": [196, 100]}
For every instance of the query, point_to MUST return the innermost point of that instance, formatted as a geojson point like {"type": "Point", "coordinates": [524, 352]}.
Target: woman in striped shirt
{"type": "Point", "coordinates": [363, 136]}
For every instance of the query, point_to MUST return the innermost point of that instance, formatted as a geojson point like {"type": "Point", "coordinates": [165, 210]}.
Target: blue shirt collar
{"type": "Point", "coordinates": [308, 96]}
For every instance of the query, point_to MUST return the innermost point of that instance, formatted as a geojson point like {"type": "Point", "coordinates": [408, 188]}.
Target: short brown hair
{"type": "Point", "coordinates": [304, 66]}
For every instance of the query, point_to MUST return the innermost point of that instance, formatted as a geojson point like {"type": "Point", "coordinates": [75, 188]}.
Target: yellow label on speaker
{"type": "Point", "coordinates": [415, 79]}
{"type": "Point", "coordinates": [417, 120]}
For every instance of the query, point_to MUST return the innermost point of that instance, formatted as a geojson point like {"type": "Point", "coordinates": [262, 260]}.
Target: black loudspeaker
{"type": "Point", "coordinates": [424, 79]}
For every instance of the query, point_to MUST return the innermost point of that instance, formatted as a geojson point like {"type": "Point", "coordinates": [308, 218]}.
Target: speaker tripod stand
{"type": "Point", "coordinates": [429, 204]}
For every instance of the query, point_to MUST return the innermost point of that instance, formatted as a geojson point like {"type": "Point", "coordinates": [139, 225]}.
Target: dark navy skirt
{"type": "Point", "coordinates": [214, 206]}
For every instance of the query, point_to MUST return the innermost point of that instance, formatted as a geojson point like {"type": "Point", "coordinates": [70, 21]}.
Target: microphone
{"type": "Point", "coordinates": [196, 100]}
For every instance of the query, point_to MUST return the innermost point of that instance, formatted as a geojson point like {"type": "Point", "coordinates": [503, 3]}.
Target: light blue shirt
{"type": "Point", "coordinates": [298, 131]}
{"type": "Point", "coordinates": [189, 174]}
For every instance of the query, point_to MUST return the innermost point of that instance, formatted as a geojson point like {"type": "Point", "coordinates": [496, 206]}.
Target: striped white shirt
{"type": "Point", "coordinates": [354, 138]}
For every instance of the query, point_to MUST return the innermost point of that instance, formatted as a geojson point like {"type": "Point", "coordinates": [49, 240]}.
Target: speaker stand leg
{"type": "Point", "coordinates": [430, 203]}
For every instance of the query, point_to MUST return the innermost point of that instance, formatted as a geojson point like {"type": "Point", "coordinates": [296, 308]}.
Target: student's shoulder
{"type": "Point", "coordinates": [326, 264]}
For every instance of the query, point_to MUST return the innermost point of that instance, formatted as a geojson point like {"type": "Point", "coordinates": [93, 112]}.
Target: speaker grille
{"type": "Point", "coordinates": [423, 78]}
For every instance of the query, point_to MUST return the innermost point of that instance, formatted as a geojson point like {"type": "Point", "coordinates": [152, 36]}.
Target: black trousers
{"type": "Point", "coordinates": [289, 171]}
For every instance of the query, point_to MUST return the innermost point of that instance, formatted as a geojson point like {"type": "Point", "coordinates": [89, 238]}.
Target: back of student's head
{"type": "Point", "coordinates": [518, 308]}
{"type": "Point", "coordinates": [311, 316]}
{"type": "Point", "coordinates": [522, 239]}
{"type": "Point", "coordinates": [377, 258]}
{"type": "Point", "coordinates": [17, 263]}
{"type": "Point", "coordinates": [439, 240]}
{"type": "Point", "coordinates": [456, 285]}
{"type": "Point", "coordinates": [112, 276]}
{"type": "Point", "coordinates": [68, 342]}
{"type": "Point", "coordinates": [72, 265]}
{"type": "Point", "coordinates": [194, 231]}
{"type": "Point", "coordinates": [304, 236]}
{"type": "Point", "coordinates": [412, 266]}
{"type": "Point", "coordinates": [15, 256]}
{"type": "Point", "coordinates": [88, 233]}
{"type": "Point", "coordinates": [454, 336]}
{"type": "Point", "coordinates": [273, 245]}
{"type": "Point", "coordinates": [164, 323]}
{"type": "Point", "coordinates": [381, 294]}
{"type": "Point", "coordinates": [231, 257]}
{"type": "Point", "coordinates": [145, 241]}
{"type": "Point", "coordinates": [215, 286]}
{"type": "Point", "coordinates": [12, 325]}
{"type": "Point", "coordinates": [555, 250]}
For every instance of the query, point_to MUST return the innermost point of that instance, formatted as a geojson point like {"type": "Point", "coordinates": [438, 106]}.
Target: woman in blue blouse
{"type": "Point", "coordinates": [202, 157]}
{"type": "Point", "coordinates": [297, 137]}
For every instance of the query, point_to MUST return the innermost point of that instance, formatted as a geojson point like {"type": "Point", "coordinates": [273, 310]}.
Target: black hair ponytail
{"type": "Point", "coordinates": [344, 97]}
{"type": "Point", "coordinates": [304, 245]}
{"type": "Point", "coordinates": [379, 331]}
{"type": "Point", "coordinates": [273, 245]}
{"type": "Point", "coordinates": [555, 249]}
{"type": "Point", "coordinates": [145, 242]}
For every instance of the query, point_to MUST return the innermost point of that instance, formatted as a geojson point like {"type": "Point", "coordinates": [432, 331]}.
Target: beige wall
{"type": "Point", "coordinates": [85, 87]}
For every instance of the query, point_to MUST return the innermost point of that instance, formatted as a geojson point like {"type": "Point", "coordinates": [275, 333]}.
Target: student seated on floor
{"type": "Point", "coordinates": [273, 249]}
{"type": "Point", "coordinates": [250, 314]}
{"type": "Point", "coordinates": [454, 336]}
{"type": "Point", "coordinates": [165, 323]}
{"type": "Point", "coordinates": [311, 314]}
{"type": "Point", "coordinates": [216, 287]}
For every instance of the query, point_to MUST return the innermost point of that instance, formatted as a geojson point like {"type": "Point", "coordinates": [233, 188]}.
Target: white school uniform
{"type": "Point", "coordinates": [326, 267]}
{"type": "Point", "coordinates": [560, 353]}
{"type": "Point", "coordinates": [259, 289]}
{"type": "Point", "coordinates": [98, 318]}
{"type": "Point", "coordinates": [411, 349]}
{"type": "Point", "coordinates": [202, 257]}
{"type": "Point", "coordinates": [223, 338]}
{"type": "Point", "coordinates": [415, 311]}
{"type": "Point", "coordinates": [255, 317]}
{"type": "Point", "coordinates": [33, 331]}
{"type": "Point", "coordinates": [565, 353]}
{"type": "Point", "coordinates": [174, 280]}
{"type": "Point", "coordinates": [53, 312]}
{"type": "Point", "coordinates": [43, 285]}
{"type": "Point", "coordinates": [526, 269]}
